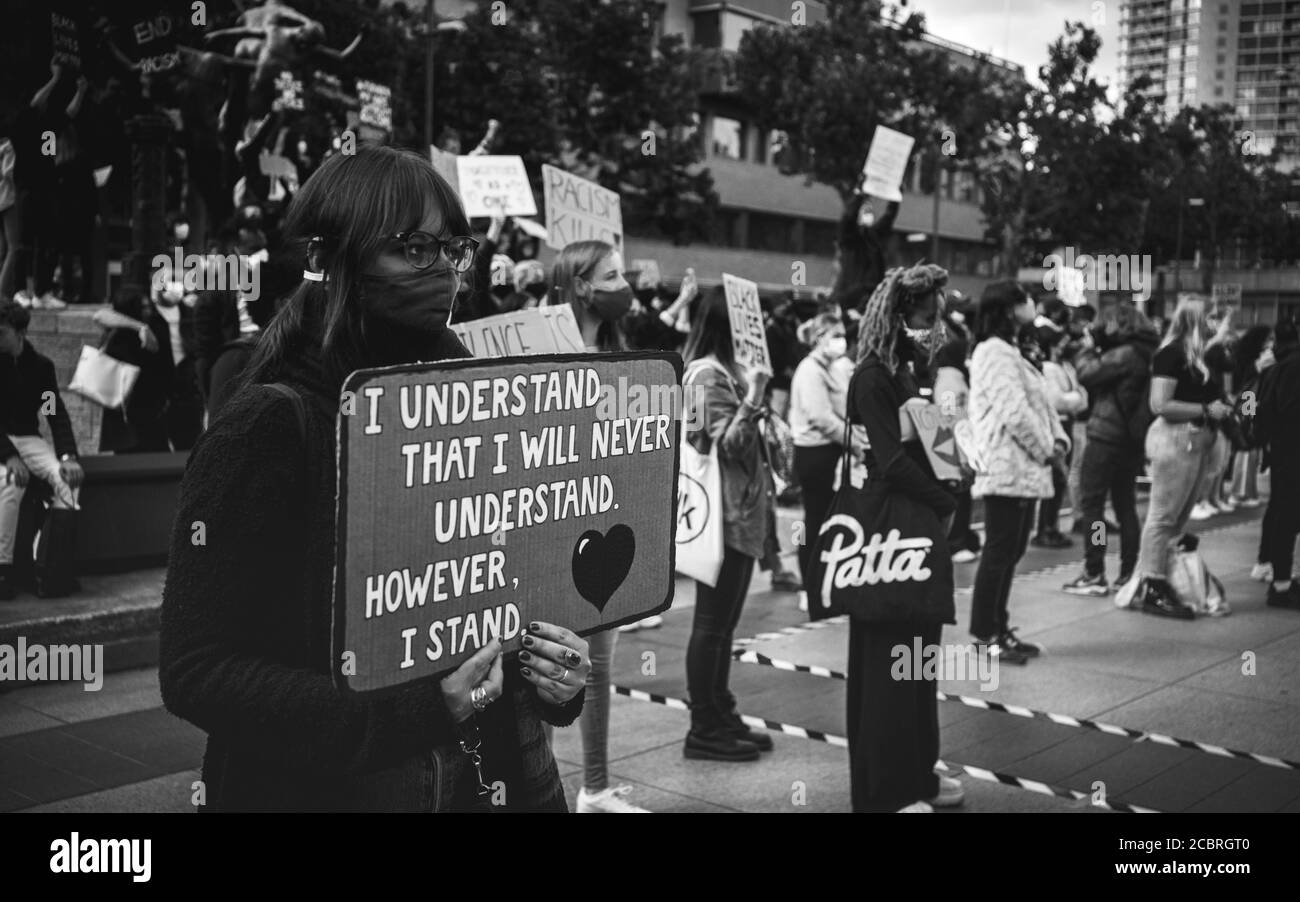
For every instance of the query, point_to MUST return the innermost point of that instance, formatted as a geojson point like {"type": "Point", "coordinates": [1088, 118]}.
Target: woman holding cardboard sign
{"type": "Point", "coordinates": [729, 404]}
{"type": "Point", "coordinates": [245, 640]}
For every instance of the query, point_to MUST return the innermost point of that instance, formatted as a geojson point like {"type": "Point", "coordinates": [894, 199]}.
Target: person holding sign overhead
{"type": "Point", "coordinates": [588, 276]}
{"type": "Point", "coordinates": [245, 648]}
{"type": "Point", "coordinates": [728, 403]}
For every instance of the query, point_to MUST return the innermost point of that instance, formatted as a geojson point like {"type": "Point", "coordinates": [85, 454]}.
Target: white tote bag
{"type": "Point", "coordinates": [105, 380]}
{"type": "Point", "coordinates": [699, 509]}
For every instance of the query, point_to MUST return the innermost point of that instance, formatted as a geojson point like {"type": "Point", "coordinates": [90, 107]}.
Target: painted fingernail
{"type": "Point", "coordinates": [573, 658]}
{"type": "Point", "coordinates": [534, 627]}
{"type": "Point", "coordinates": [525, 671]}
{"type": "Point", "coordinates": [525, 656]}
{"type": "Point", "coordinates": [528, 641]}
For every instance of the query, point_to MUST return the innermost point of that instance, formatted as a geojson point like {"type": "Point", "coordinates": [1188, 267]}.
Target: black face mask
{"type": "Point", "coordinates": [537, 290]}
{"type": "Point", "coordinates": [645, 295]}
{"type": "Point", "coordinates": [501, 292]}
{"type": "Point", "coordinates": [419, 302]}
{"type": "Point", "coordinates": [611, 305]}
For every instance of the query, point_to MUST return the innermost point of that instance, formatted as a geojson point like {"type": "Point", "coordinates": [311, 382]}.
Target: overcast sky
{"type": "Point", "coordinates": [1021, 30]}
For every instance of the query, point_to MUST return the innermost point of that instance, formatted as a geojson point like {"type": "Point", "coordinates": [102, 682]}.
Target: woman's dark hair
{"type": "Point", "coordinates": [711, 329]}
{"type": "Point", "coordinates": [1286, 333]}
{"type": "Point", "coordinates": [995, 315]}
{"type": "Point", "coordinates": [1249, 347]}
{"type": "Point", "coordinates": [353, 203]}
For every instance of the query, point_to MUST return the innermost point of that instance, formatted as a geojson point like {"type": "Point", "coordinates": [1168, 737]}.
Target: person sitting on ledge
{"type": "Point", "coordinates": [28, 390]}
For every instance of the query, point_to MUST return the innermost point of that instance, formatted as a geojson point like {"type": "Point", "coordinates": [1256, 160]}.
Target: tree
{"type": "Point", "coordinates": [583, 86]}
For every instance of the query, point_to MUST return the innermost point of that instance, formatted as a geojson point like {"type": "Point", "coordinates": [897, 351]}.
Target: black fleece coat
{"type": "Point", "coordinates": [245, 637]}
{"type": "Point", "coordinates": [24, 382]}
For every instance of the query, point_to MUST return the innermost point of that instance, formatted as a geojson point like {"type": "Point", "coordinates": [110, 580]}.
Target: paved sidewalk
{"type": "Point", "coordinates": [118, 750]}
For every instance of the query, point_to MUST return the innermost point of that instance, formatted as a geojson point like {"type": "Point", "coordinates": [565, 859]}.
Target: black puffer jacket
{"type": "Point", "coordinates": [1118, 381]}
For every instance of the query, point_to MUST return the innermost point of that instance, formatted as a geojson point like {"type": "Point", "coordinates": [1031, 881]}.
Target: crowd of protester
{"type": "Point", "coordinates": [1068, 406]}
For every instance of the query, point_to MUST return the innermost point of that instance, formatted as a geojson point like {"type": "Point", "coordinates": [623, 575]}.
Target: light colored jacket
{"type": "Point", "coordinates": [818, 398]}
{"type": "Point", "coordinates": [1014, 424]}
{"type": "Point", "coordinates": [1067, 397]}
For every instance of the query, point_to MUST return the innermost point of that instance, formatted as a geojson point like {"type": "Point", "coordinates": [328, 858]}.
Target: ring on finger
{"type": "Point", "coordinates": [560, 678]}
{"type": "Point", "coordinates": [478, 697]}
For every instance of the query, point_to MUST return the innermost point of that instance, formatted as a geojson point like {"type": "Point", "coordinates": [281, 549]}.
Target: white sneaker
{"type": "Point", "coordinates": [1225, 505]}
{"type": "Point", "coordinates": [951, 794]}
{"type": "Point", "coordinates": [26, 298]}
{"type": "Point", "coordinates": [917, 808]}
{"type": "Point", "coordinates": [1202, 511]}
{"type": "Point", "coordinates": [803, 602]}
{"type": "Point", "coordinates": [965, 556]}
{"type": "Point", "coordinates": [1262, 573]}
{"type": "Point", "coordinates": [607, 801]}
{"type": "Point", "coordinates": [645, 623]}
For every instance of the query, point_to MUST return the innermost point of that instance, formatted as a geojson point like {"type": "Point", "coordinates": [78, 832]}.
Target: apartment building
{"type": "Point", "coordinates": [1243, 54]}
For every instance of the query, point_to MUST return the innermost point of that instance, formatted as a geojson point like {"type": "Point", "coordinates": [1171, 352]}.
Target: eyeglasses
{"type": "Point", "coordinates": [422, 250]}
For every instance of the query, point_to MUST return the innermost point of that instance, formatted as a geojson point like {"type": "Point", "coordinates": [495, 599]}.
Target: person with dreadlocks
{"type": "Point", "coordinates": [893, 723]}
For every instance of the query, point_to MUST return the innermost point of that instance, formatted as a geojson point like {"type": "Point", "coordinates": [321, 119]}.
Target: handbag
{"type": "Point", "coordinates": [103, 379]}
{"type": "Point", "coordinates": [699, 537]}
{"type": "Point", "coordinates": [880, 556]}
{"type": "Point", "coordinates": [1192, 580]}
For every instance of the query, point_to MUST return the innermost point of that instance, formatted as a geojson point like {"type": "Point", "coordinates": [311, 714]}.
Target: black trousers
{"type": "Point", "coordinates": [893, 725]}
{"type": "Point", "coordinates": [1282, 518]}
{"type": "Point", "coordinates": [1109, 469]}
{"type": "Point", "coordinates": [960, 536]}
{"type": "Point", "coordinates": [815, 469]}
{"type": "Point", "coordinates": [708, 654]}
{"type": "Point", "coordinates": [1007, 522]}
{"type": "Point", "coordinates": [1049, 509]}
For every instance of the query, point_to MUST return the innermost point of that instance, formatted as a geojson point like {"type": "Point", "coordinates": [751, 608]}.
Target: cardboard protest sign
{"type": "Point", "coordinates": [151, 41]}
{"type": "Point", "coordinates": [747, 332]}
{"type": "Point", "coordinates": [540, 330]}
{"type": "Point", "coordinates": [376, 105]}
{"type": "Point", "coordinates": [64, 46]}
{"type": "Point", "coordinates": [579, 210]}
{"type": "Point", "coordinates": [1226, 294]}
{"type": "Point", "coordinates": [445, 163]}
{"type": "Point", "coordinates": [478, 496]}
{"type": "Point", "coordinates": [495, 185]}
{"type": "Point", "coordinates": [938, 429]}
{"type": "Point", "coordinates": [886, 162]}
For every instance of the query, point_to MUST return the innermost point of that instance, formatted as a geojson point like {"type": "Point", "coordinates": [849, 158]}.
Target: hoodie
{"type": "Point", "coordinates": [1118, 380]}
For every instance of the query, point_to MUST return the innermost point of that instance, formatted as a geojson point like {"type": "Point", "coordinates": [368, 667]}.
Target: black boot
{"type": "Point", "coordinates": [56, 555]}
{"type": "Point", "coordinates": [712, 739]}
{"type": "Point", "coordinates": [737, 728]}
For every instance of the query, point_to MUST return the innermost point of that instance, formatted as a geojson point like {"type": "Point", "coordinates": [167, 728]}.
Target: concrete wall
{"type": "Point", "coordinates": [60, 336]}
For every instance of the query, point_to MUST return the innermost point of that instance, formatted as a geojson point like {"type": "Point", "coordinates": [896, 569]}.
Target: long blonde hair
{"type": "Point", "coordinates": [882, 318]}
{"type": "Point", "coordinates": [1187, 330]}
{"type": "Point", "coordinates": [576, 261]}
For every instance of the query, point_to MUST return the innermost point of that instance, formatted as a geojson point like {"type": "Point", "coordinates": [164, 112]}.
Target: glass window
{"type": "Point", "coordinates": [722, 231]}
{"type": "Point", "coordinates": [770, 233]}
{"type": "Point", "coordinates": [819, 237]}
{"type": "Point", "coordinates": [727, 138]}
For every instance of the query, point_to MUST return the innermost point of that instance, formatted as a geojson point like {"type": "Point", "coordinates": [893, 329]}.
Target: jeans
{"type": "Point", "coordinates": [1110, 469]}
{"type": "Point", "coordinates": [1220, 454]}
{"type": "Point", "coordinates": [1180, 455]}
{"type": "Point", "coordinates": [1245, 477]}
{"type": "Point", "coordinates": [594, 720]}
{"type": "Point", "coordinates": [1078, 447]}
{"type": "Point", "coordinates": [708, 654]}
{"type": "Point", "coordinates": [43, 463]}
{"type": "Point", "coordinates": [816, 472]}
{"type": "Point", "coordinates": [1007, 522]}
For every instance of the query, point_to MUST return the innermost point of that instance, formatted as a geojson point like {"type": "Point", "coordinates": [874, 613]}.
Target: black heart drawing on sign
{"type": "Point", "coordinates": [602, 562]}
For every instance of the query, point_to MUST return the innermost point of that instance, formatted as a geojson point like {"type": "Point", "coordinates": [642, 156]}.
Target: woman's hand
{"type": "Point", "coordinates": [758, 379]}
{"type": "Point", "coordinates": [484, 669]}
{"type": "Point", "coordinates": [1218, 411]}
{"type": "Point", "coordinates": [555, 661]}
{"type": "Point", "coordinates": [148, 340]}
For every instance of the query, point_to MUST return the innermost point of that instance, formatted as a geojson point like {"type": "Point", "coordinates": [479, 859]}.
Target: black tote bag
{"type": "Point", "coordinates": [881, 556]}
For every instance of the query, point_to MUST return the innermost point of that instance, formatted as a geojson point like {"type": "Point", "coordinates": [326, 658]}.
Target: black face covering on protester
{"type": "Point", "coordinates": [501, 292]}
{"type": "Point", "coordinates": [611, 305]}
{"type": "Point", "coordinates": [645, 295]}
{"type": "Point", "coordinates": [537, 290]}
{"type": "Point", "coordinates": [407, 313]}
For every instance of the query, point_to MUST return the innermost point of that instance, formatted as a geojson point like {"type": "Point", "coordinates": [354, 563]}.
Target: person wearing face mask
{"type": "Point", "coordinates": [1285, 342]}
{"type": "Point", "coordinates": [588, 276]}
{"type": "Point", "coordinates": [818, 397]}
{"type": "Point", "coordinates": [244, 645]}
{"type": "Point", "coordinates": [950, 390]}
{"type": "Point", "coordinates": [893, 724]}
{"type": "Point", "coordinates": [1020, 438]}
